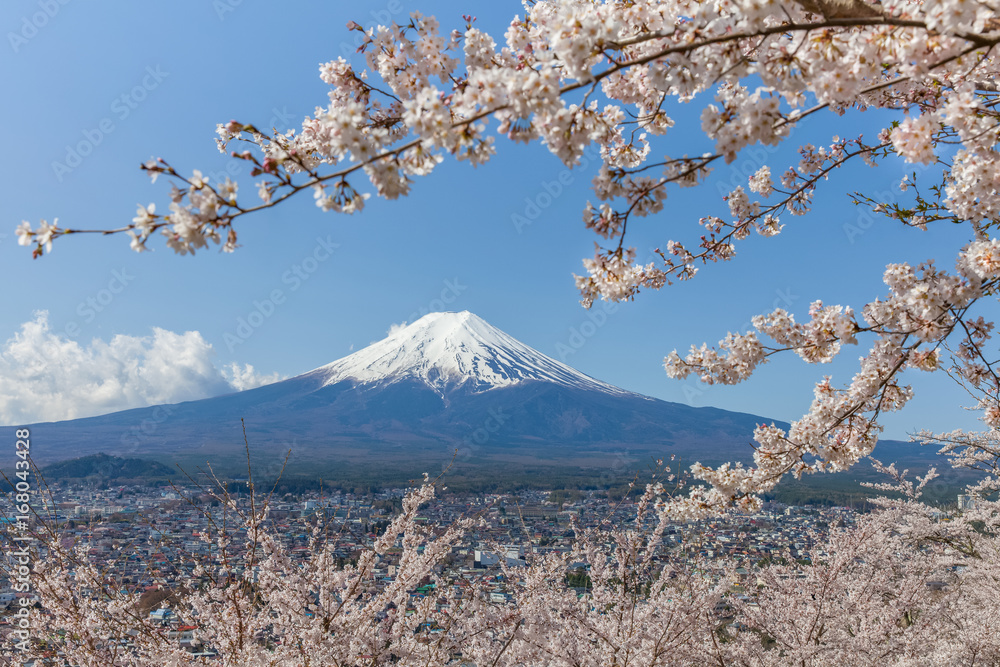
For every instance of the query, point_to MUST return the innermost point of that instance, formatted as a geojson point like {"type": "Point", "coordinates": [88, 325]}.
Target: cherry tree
{"type": "Point", "coordinates": [900, 587]}
{"type": "Point", "coordinates": [576, 73]}
{"type": "Point", "coordinates": [254, 604]}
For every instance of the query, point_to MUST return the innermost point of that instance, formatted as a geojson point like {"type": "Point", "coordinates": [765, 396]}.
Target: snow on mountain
{"type": "Point", "coordinates": [416, 401]}
{"type": "Point", "coordinates": [448, 351]}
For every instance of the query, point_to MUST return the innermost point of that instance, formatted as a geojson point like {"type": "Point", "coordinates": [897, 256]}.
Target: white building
{"type": "Point", "coordinates": [514, 553]}
{"type": "Point", "coordinates": [966, 502]}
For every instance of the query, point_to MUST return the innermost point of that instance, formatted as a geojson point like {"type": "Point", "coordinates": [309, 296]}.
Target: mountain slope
{"type": "Point", "coordinates": [104, 467]}
{"type": "Point", "coordinates": [448, 389]}
{"type": "Point", "coordinates": [448, 351]}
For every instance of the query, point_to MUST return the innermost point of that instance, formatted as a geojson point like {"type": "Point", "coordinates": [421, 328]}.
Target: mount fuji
{"type": "Point", "coordinates": [456, 351]}
{"type": "Point", "coordinates": [449, 389]}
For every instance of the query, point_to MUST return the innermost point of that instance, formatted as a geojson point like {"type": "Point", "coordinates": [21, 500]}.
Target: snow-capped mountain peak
{"type": "Point", "coordinates": [451, 350]}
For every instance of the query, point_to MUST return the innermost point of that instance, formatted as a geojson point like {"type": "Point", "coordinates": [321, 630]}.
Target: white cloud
{"type": "Point", "coordinates": [241, 379]}
{"type": "Point", "coordinates": [392, 329]}
{"type": "Point", "coordinates": [45, 376]}
{"type": "Point", "coordinates": [395, 327]}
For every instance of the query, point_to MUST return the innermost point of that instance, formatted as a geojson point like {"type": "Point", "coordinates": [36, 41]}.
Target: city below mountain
{"type": "Point", "coordinates": [449, 391]}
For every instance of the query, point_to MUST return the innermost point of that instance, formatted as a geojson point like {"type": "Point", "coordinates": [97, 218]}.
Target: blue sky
{"type": "Point", "coordinates": [132, 81]}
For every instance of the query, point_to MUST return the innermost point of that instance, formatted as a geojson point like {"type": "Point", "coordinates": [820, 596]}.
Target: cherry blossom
{"type": "Point", "coordinates": [574, 74]}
